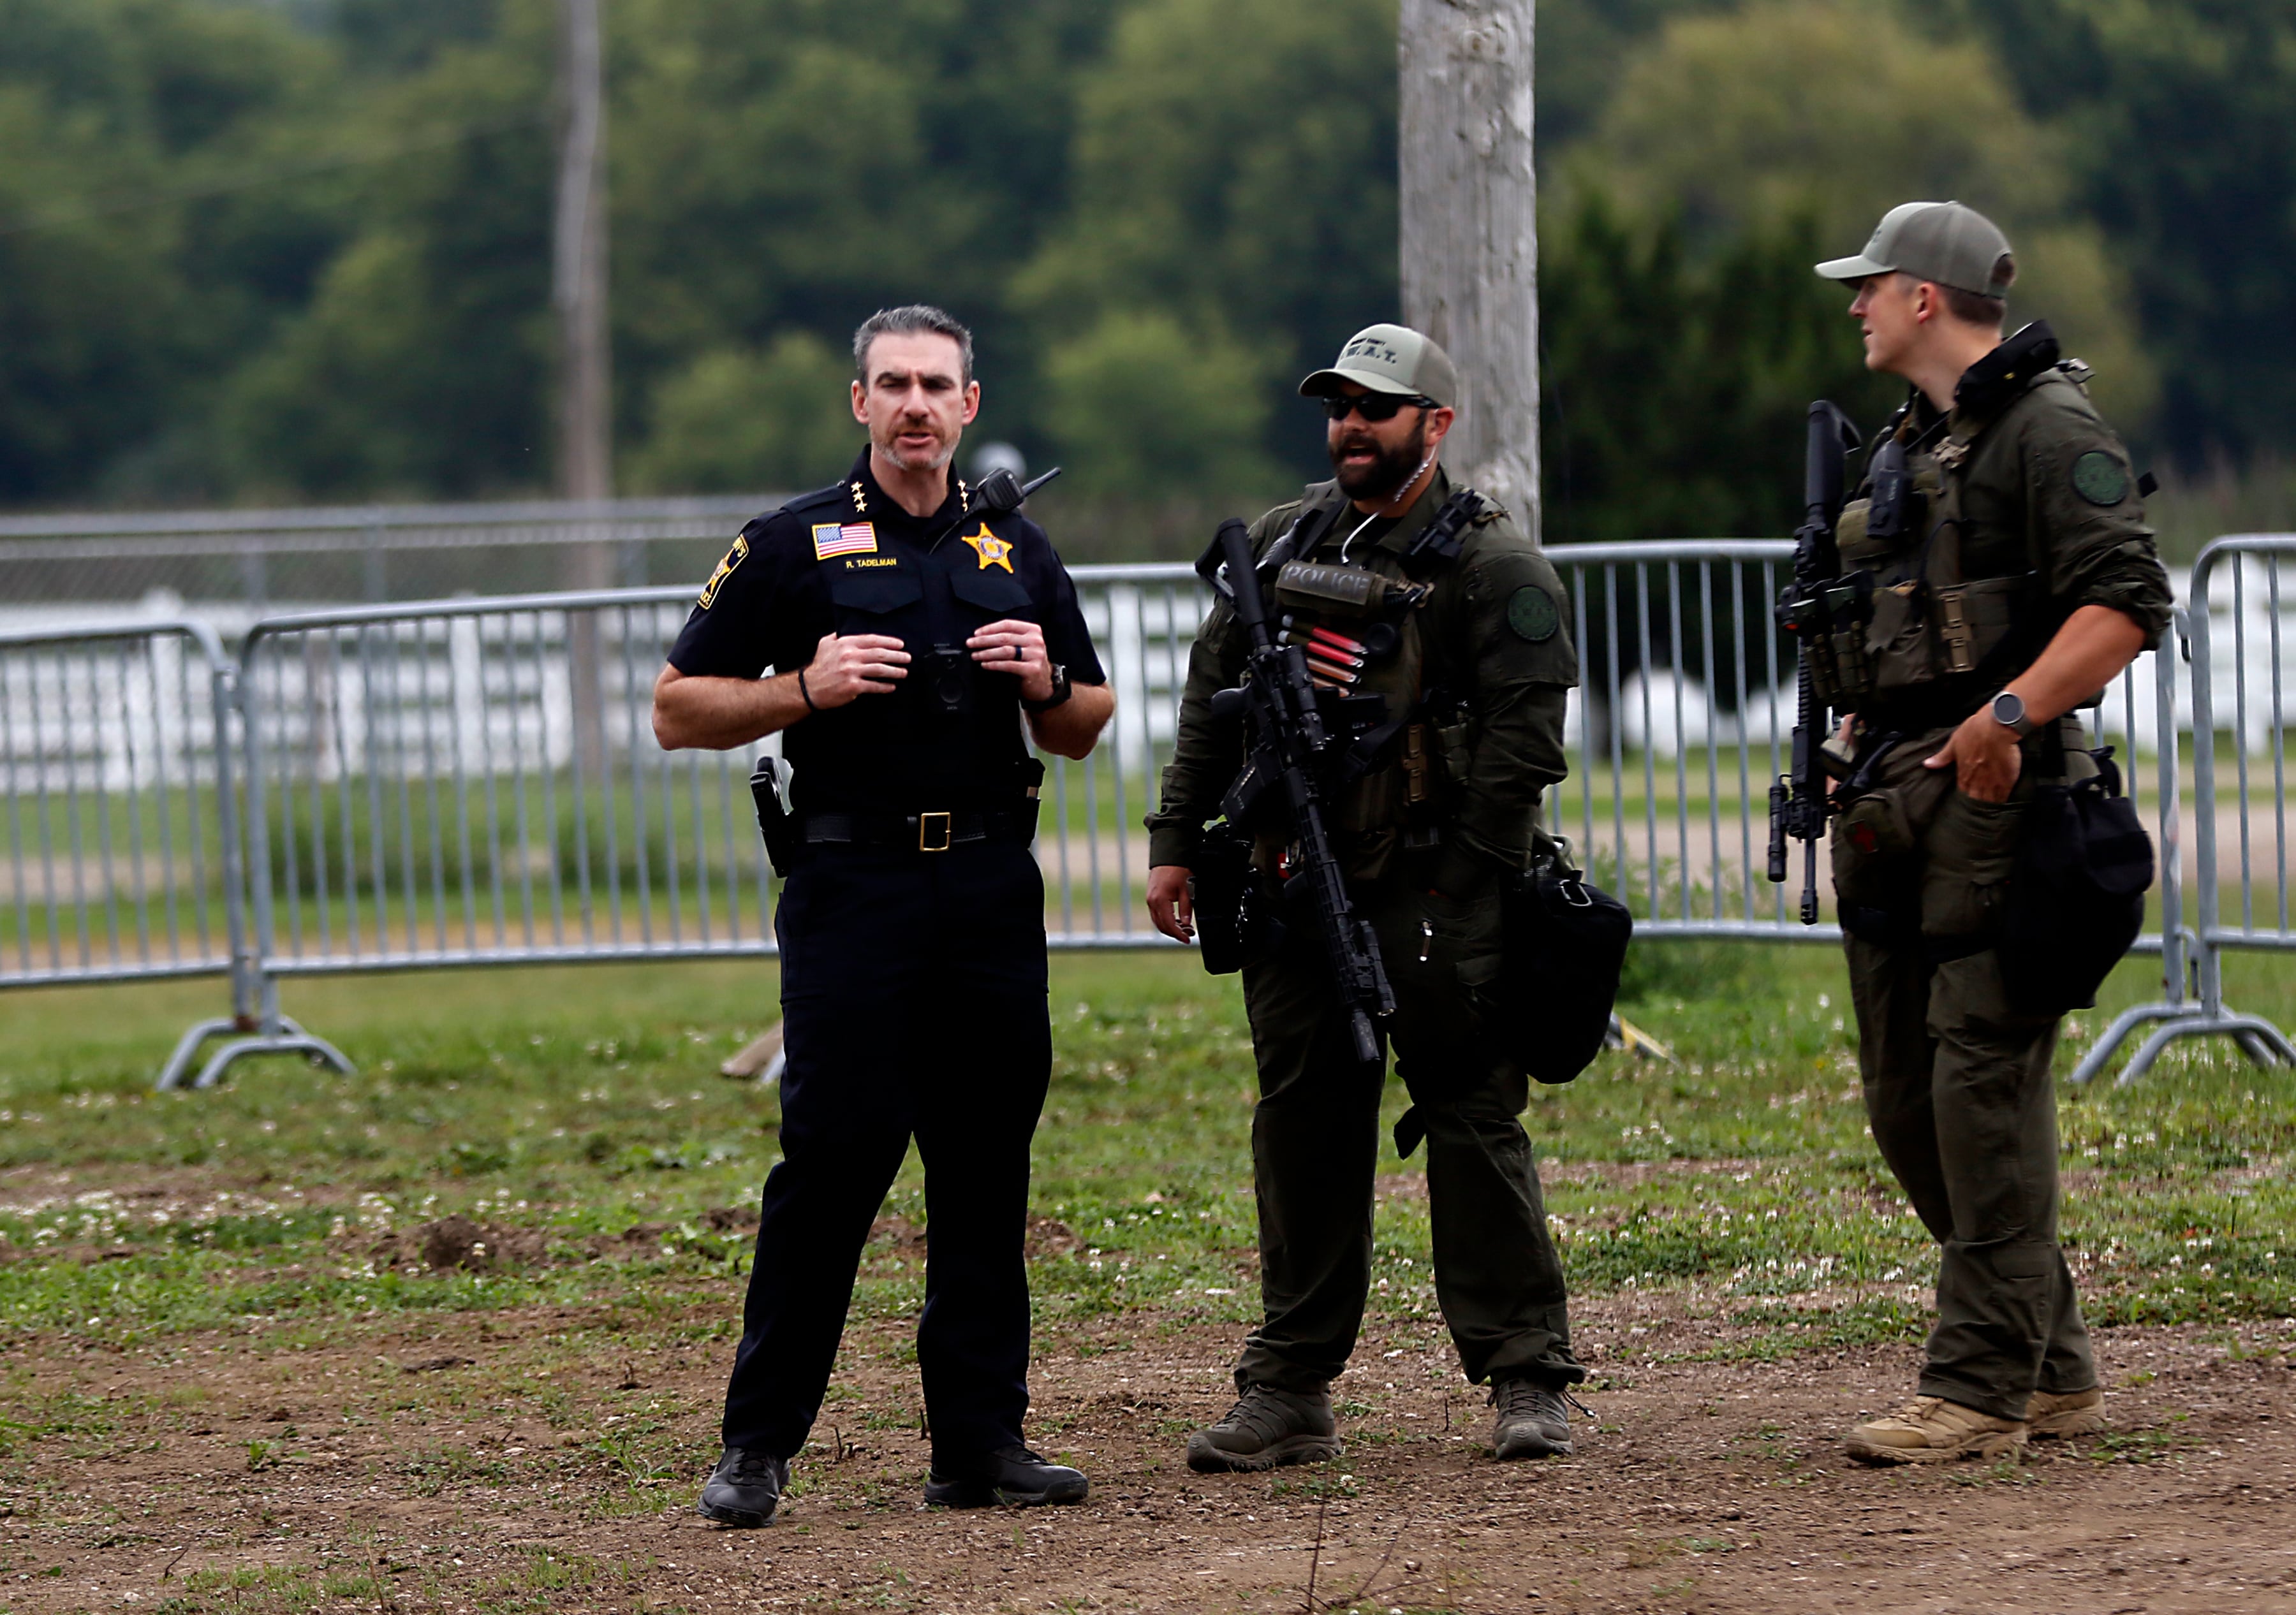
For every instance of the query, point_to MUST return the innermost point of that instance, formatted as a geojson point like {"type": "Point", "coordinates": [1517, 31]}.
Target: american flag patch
{"type": "Point", "coordinates": [854, 538]}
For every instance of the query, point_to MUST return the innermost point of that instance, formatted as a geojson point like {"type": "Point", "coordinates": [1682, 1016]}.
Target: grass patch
{"type": "Point", "coordinates": [585, 1106]}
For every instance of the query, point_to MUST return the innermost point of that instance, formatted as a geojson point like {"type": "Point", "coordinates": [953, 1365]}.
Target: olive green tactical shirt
{"type": "Point", "coordinates": [1496, 636]}
{"type": "Point", "coordinates": [2046, 486]}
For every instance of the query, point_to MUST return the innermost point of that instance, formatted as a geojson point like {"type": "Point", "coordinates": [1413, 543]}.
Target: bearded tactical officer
{"type": "Point", "coordinates": [913, 634]}
{"type": "Point", "coordinates": [2004, 577]}
{"type": "Point", "coordinates": [1474, 661]}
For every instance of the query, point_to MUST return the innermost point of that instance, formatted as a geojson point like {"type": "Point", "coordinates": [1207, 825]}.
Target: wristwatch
{"type": "Point", "coordinates": [1060, 691]}
{"type": "Point", "coordinates": [2009, 712]}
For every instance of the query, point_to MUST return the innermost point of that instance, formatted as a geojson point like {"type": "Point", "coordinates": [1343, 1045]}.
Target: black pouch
{"type": "Point", "coordinates": [1235, 925]}
{"type": "Point", "coordinates": [1566, 944]}
{"type": "Point", "coordinates": [2075, 900]}
{"type": "Point", "coordinates": [774, 821]}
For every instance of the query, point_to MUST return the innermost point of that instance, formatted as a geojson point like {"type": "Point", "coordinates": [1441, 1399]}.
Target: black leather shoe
{"type": "Point", "coordinates": [1011, 1475]}
{"type": "Point", "coordinates": [745, 1487]}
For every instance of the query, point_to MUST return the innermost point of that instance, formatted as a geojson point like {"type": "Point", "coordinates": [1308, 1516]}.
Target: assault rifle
{"type": "Point", "coordinates": [1299, 735]}
{"type": "Point", "coordinates": [1806, 609]}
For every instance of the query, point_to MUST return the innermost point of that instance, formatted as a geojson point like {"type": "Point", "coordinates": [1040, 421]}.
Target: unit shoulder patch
{"type": "Point", "coordinates": [735, 557]}
{"type": "Point", "coordinates": [1532, 614]}
{"type": "Point", "coordinates": [2100, 478]}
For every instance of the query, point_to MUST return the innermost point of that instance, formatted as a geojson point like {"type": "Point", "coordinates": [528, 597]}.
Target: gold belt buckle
{"type": "Point", "coordinates": [928, 824]}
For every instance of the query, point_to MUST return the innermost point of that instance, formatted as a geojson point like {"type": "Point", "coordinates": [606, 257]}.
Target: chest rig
{"type": "Point", "coordinates": [1361, 625]}
{"type": "Point", "coordinates": [1910, 634]}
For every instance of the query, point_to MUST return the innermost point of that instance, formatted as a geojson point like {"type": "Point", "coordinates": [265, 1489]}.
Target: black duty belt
{"type": "Point", "coordinates": [915, 832]}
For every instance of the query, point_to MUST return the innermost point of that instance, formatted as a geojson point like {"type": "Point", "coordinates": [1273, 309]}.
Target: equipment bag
{"type": "Point", "coordinates": [2076, 896]}
{"type": "Point", "coordinates": [1566, 944]}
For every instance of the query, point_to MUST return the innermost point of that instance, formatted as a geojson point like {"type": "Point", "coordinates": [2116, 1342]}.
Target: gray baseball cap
{"type": "Point", "coordinates": [1946, 242]}
{"type": "Point", "coordinates": [1388, 359]}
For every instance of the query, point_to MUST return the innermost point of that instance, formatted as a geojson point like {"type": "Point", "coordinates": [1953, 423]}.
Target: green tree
{"type": "Point", "coordinates": [735, 420]}
{"type": "Point", "coordinates": [2178, 117]}
{"type": "Point", "coordinates": [420, 365]}
{"type": "Point", "coordinates": [1140, 404]}
{"type": "Point", "coordinates": [1234, 171]}
{"type": "Point", "coordinates": [133, 259]}
{"type": "Point", "coordinates": [1675, 381]}
{"type": "Point", "coordinates": [1834, 111]}
{"type": "Point", "coordinates": [776, 166]}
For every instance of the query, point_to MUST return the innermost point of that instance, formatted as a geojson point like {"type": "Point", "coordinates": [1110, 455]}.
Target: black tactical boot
{"type": "Point", "coordinates": [745, 1487]}
{"type": "Point", "coordinates": [1267, 1427]}
{"type": "Point", "coordinates": [1011, 1475]}
{"type": "Point", "coordinates": [1533, 1421]}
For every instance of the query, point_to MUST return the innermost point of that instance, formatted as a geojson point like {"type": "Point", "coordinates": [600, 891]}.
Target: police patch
{"type": "Point", "coordinates": [2100, 478]}
{"type": "Point", "coordinates": [1532, 614]}
{"type": "Point", "coordinates": [735, 557]}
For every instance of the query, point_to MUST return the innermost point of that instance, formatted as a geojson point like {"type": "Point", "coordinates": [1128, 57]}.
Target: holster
{"type": "Point", "coordinates": [1236, 924]}
{"type": "Point", "coordinates": [784, 837]}
{"type": "Point", "coordinates": [1032, 790]}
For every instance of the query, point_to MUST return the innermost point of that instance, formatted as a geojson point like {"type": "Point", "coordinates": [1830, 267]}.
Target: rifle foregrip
{"type": "Point", "coordinates": [1366, 1041]}
{"type": "Point", "coordinates": [1780, 796]}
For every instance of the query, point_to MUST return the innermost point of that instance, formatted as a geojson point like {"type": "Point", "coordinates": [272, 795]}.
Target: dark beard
{"type": "Point", "coordinates": [1386, 475]}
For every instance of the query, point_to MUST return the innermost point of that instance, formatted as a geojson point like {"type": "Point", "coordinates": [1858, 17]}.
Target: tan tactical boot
{"type": "Point", "coordinates": [1929, 1430]}
{"type": "Point", "coordinates": [2052, 1413]}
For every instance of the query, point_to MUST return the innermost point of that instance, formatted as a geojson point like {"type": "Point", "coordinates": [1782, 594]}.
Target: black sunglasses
{"type": "Point", "coordinates": [1372, 406]}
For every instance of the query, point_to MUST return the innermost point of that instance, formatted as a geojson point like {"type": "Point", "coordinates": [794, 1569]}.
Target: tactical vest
{"type": "Point", "coordinates": [1361, 623]}
{"type": "Point", "coordinates": [1911, 638]}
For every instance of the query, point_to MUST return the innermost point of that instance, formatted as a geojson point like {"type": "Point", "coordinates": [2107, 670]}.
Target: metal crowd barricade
{"type": "Point", "coordinates": [474, 781]}
{"type": "Point", "coordinates": [1684, 717]}
{"type": "Point", "coordinates": [2235, 591]}
{"type": "Point", "coordinates": [123, 851]}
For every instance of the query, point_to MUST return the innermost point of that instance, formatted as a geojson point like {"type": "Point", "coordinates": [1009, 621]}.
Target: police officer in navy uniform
{"type": "Point", "coordinates": [913, 636]}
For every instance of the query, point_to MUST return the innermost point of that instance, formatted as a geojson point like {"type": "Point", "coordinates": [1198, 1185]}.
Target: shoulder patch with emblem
{"type": "Point", "coordinates": [1531, 613]}
{"type": "Point", "coordinates": [2099, 478]}
{"type": "Point", "coordinates": [735, 557]}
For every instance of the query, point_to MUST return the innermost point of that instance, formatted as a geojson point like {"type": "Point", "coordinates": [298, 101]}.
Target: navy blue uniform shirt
{"type": "Point", "coordinates": [847, 560]}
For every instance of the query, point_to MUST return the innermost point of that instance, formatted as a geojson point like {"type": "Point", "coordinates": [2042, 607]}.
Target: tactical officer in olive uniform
{"type": "Point", "coordinates": [1475, 668]}
{"type": "Point", "coordinates": [911, 630]}
{"type": "Point", "coordinates": [2007, 576]}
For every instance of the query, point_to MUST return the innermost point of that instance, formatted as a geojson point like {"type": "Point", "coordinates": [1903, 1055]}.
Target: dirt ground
{"type": "Point", "coordinates": [1700, 1485]}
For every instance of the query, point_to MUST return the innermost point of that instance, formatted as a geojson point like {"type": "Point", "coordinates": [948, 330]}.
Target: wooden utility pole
{"type": "Point", "coordinates": [578, 296]}
{"type": "Point", "coordinates": [578, 260]}
{"type": "Point", "coordinates": [1470, 228]}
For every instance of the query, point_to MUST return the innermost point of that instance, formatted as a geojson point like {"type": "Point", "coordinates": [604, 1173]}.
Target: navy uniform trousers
{"type": "Point", "coordinates": [913, 996]}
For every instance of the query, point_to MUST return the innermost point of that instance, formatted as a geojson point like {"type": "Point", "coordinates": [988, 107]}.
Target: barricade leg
{"type": "Point", "coordinates": [265, 1031]}
{"type": "Point", "coordinates": [2259, 1039]}
{"type": "Point", "coordinates": [284, 1037]}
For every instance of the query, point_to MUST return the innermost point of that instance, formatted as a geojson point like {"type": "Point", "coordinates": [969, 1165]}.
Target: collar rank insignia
{"type": "Point", "coordinates": [860, 498]}
{"type": "Point", "coordinates": [993, 551]}
{"type": "Point", "coordinates": [853, 538]}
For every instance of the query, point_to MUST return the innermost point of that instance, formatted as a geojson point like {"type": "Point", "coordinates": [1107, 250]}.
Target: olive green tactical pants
{"type": "Point", "coordinates": [1315, 1145]}
{"type": "Point", "coordinates": [1958, 1087]}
